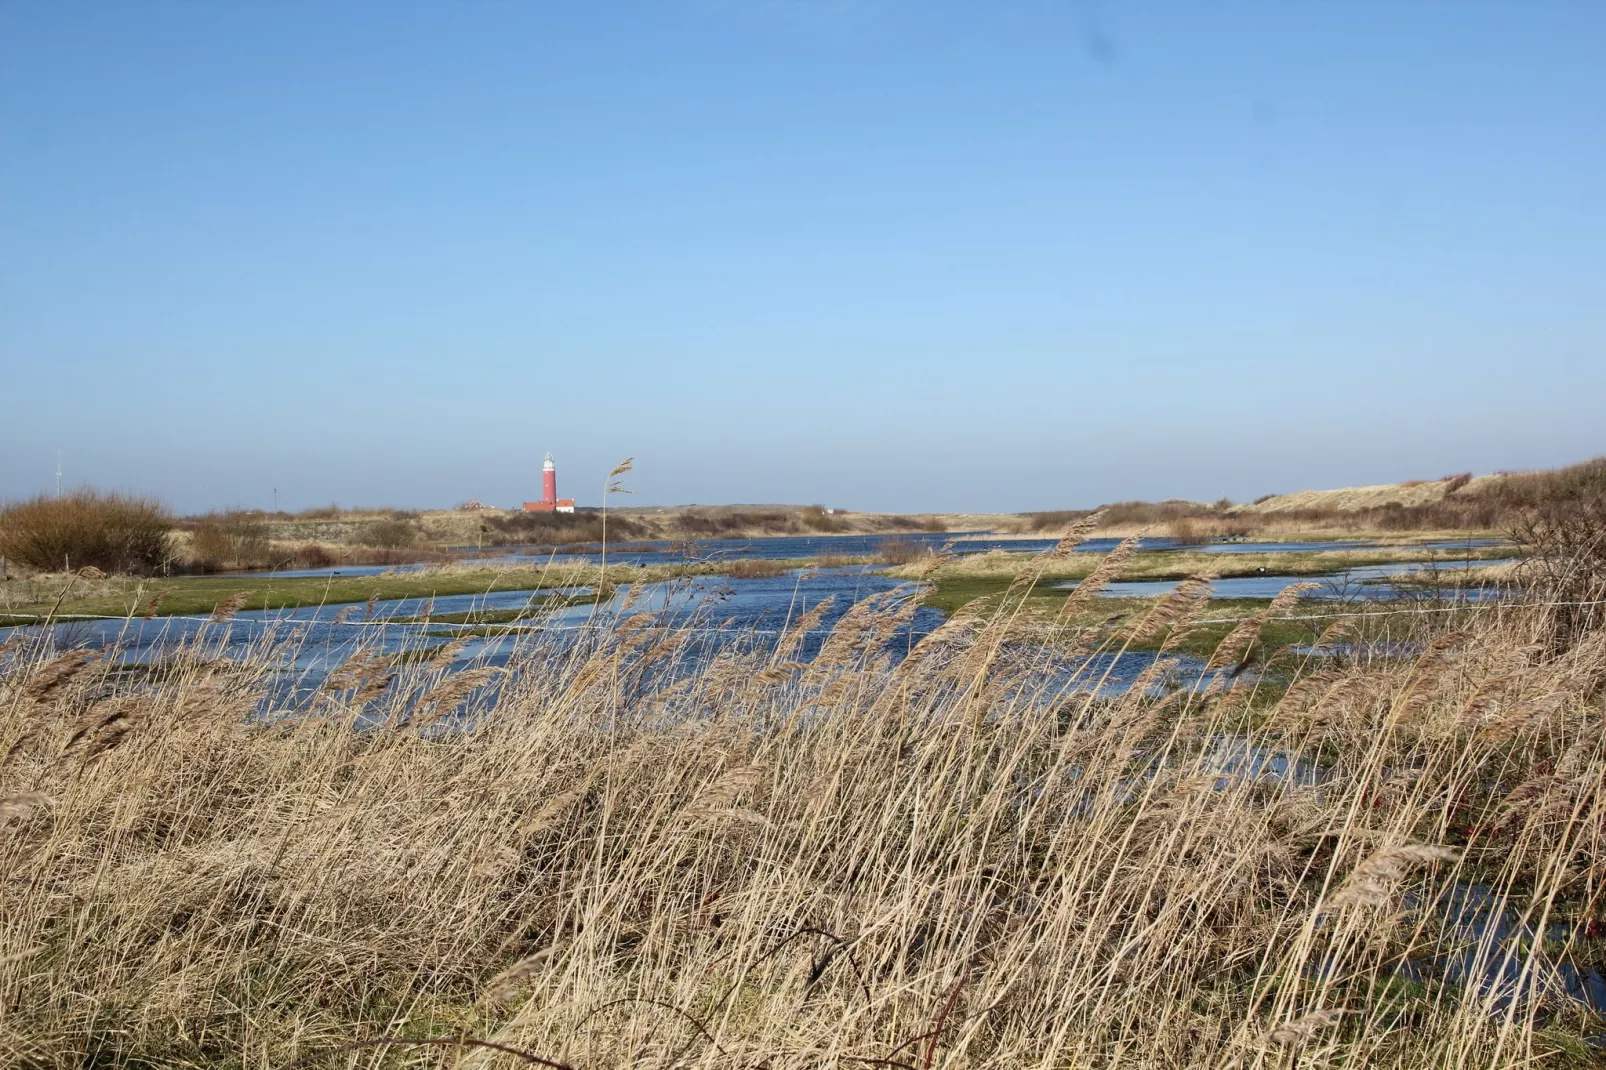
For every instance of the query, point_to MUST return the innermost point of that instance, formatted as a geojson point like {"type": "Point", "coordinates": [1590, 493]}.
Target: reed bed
{"type": "Point", "coordinates": [634, 845]}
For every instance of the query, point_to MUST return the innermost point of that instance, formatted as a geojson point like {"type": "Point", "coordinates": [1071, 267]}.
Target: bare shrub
{"type": "Point", "coordinates": [903, 551]}
{"type": "Point", "coordinates": [1056, 519]}
{"type": "Point", "coordinates": [1563, 537]}
{"type": "Point", "coordinates": [314, 555]}
{"type": "Point", "coordinates": [235, 539]}
{"type": "Point", "coordinates": [559, 529]}
{"type": "Point", "coordinates": [113, 532]}
{"type": "Point", "coordinates": [815, 518]}
{"type": "Point", "coordinates": [389, 534]}
{"type": "Point", "coordinates": [1185, 531]}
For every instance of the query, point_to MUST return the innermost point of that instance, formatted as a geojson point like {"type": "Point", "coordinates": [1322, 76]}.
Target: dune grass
{"type": "Point", "coordinates": [628, 848]}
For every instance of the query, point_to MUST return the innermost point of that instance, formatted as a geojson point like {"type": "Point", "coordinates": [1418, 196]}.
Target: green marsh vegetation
{"type": "Point", "coordinates": [117, 596]}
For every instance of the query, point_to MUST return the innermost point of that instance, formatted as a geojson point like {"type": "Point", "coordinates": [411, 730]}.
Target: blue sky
{"type": "Point", "coordinates": [878, 254]}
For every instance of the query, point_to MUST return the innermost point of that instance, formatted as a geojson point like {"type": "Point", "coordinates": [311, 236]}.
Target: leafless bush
{"type": "Point", "coordinates": [87, 528]}
{"type": "Point", "coordinates": [903, 551]}
{"type": "Point", "coordinates": [1563, 538]}
{"type": "Point", "coordinates": [235, 539]}
{"type": "Point", "coordinates": [389, 534]}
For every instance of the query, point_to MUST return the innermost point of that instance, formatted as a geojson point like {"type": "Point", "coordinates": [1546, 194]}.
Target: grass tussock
{"type": "Point", "coordinates": [110, 532]}
{"type": "Point", "coordinates": [755, 568]}
{"type": "Point", "coordinates": [627, 848]}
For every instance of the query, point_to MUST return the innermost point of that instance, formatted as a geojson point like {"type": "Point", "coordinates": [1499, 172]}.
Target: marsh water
{"type": "Point", "coordinates": [719, 606]}
{"type": "Point", "coordinates": [306, 644]}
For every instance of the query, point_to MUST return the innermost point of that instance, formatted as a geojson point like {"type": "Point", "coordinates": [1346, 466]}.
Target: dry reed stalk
{"type": "Point", "coordinates": [1301, 1029]}
{"type": "Point", "coordinates": [849, 636]}
{"type": "Point", "coordinates": [1157, 670]}
{"type": "Point", "coordinates": [1241, 640]}
{"type": "Point", "coordinates": [778, 674]}
{"type": "Point", "coordinates": [443, 699]}
{"type": "Point", "coordinates": [446, 654]}
{"type": "Point", "coordinates": [231, 605]}
{"type": "Point", "coordinates": [933, 564]}
{"type": "Point", "coordinates": [154, 602]}
{"type": "Point", "coordinates": [1173, 611]}
{"type": "Point", "coordinates": [723, 792]}
{"type": "Point", "coordinates": [1332, 633]}
{"type": "Point", "coordinates": [22, 804]}
{"type": "Point", "coordinates": [1077, 533]}
{"type": "Point", "coordinates": [554, 808]}
{"type": "Point", "coordinates": [504, 986]}
{"type": "Point", "coordinates": [104, 725]}
{"type": "Point", "coordinates": [1372, 882]}
{"type": "Point", "coordinates": [55, 675]}
{"type": "Point", "coordinates": [792, 639]}
{"type": "Point", "coordinates": [1426, 673]}
{"type": "Point", "coordinates": [371, 689]}
{"type": "Point", "coordinates": [1518, 719]}
{"type": "Point", "coordinates": [1107, 570]}
{"type": "Point", "coordinates": [357, 671]}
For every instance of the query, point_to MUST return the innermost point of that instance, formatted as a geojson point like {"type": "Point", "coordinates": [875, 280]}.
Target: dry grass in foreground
{"type": "Point", "coordinates": [638, 854]}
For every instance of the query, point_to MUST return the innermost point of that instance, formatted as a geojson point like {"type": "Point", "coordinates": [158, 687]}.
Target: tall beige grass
{"type": "Point", "coordinates": [630, 851]}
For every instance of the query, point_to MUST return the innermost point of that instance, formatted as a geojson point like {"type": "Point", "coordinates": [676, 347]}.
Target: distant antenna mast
{"type": "Point", "coordinates": [58, 473]}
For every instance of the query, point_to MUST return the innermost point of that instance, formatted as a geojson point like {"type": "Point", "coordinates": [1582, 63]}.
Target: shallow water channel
{"type": "Point", "coordinates": [718, 609]}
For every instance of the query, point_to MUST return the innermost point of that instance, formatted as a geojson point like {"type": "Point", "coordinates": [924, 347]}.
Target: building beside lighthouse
{"type": "Point", "coordinates": [550, 502]}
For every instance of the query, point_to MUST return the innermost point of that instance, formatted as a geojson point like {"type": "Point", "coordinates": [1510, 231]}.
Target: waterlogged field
{"type": "Point", "coordinates": [1093, 831]}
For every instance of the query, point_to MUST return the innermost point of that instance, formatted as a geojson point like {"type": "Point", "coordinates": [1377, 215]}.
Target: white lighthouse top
{"type": "Point", "coordinates": [548, 466]}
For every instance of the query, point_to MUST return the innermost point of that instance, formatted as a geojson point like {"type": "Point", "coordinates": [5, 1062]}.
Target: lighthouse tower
{"type": "Point", "coordinates": [549, 482]}
{"type": "Point", "coordinates": [550, 502]}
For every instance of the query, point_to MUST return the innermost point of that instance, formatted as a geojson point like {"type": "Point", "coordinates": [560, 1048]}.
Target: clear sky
{"type": "Point", "coordinates": [878, 254]}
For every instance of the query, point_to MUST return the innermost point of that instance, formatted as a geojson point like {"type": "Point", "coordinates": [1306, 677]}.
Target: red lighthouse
{"type": "Point", "coordinates": [550, 502]}
{"type": "Point", "coordinates": [549, 483]}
